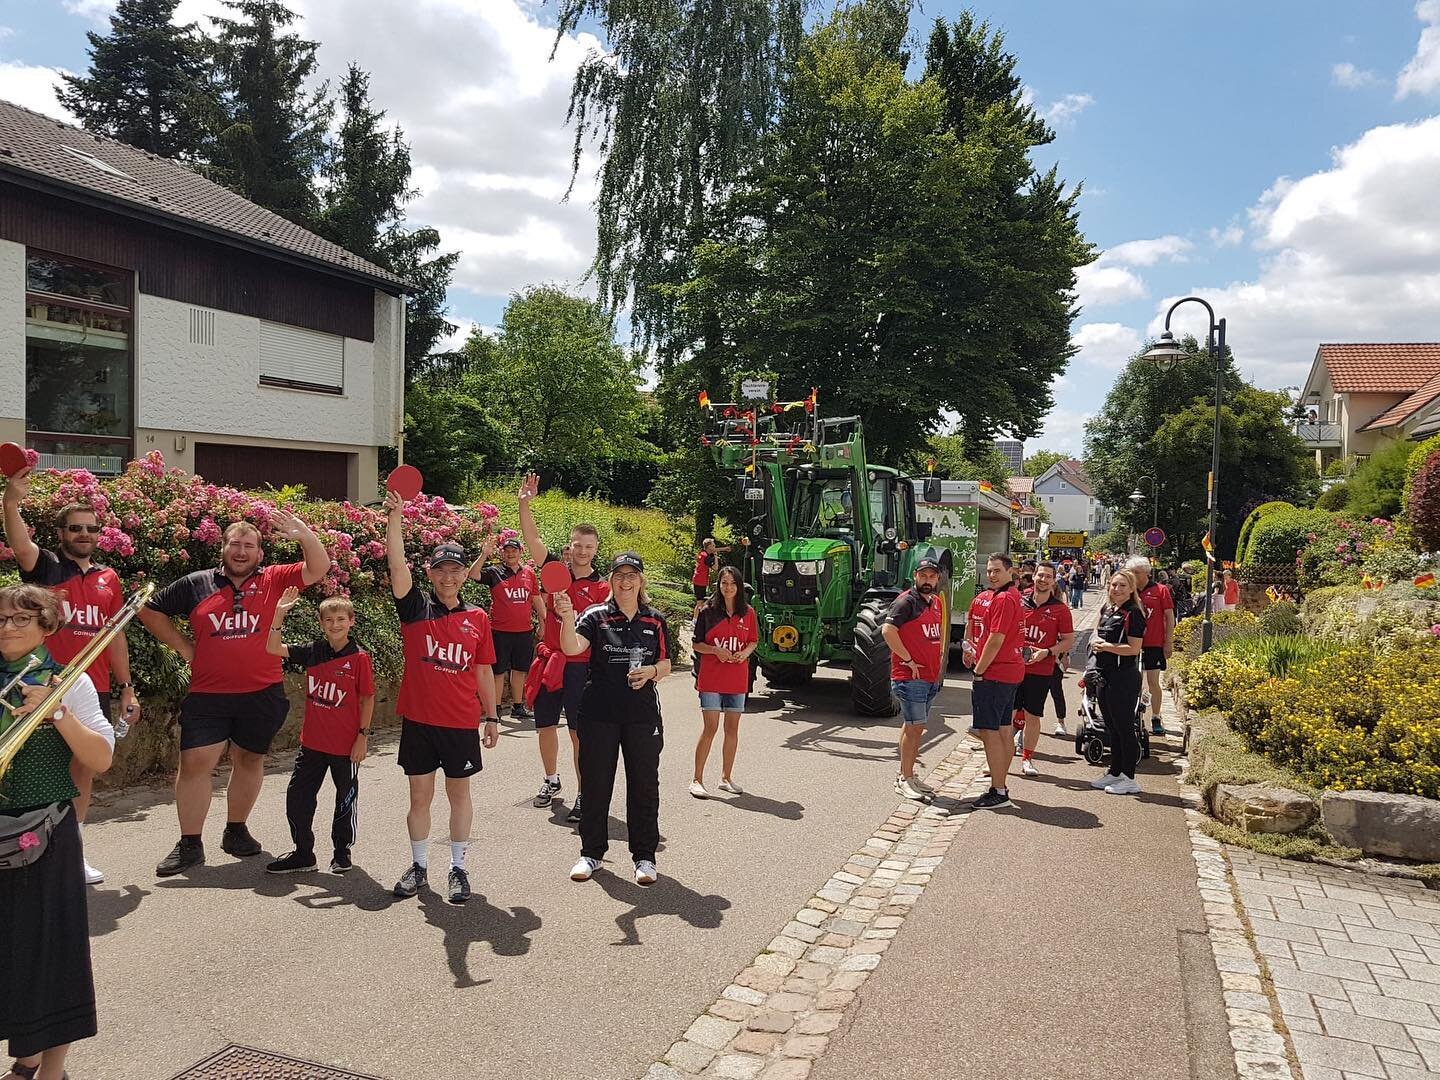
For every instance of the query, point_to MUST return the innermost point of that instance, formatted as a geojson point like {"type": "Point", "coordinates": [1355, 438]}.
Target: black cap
{"type": "Point", "coordinates": [927, 563]}
{"type": "Point", "coordinates": [630, 559]}
{"type": "Point", "coordinates": [511, 541]}
{"type": "Point", "coordinates": [448, 553]}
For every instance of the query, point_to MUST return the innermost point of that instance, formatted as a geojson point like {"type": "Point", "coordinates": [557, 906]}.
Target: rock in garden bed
{"type": "Point", "coordinates": [1378, 823]}
{"type": "Point", "coordinates": [1263, 808]}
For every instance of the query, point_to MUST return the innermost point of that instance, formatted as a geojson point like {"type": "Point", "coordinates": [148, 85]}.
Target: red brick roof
{"type": "Point", "coordinates": [65, 157]}
{"type": "Point", "coordinates": [1398, 368]}
{"type": "Point", "coordinates": [1399, 413]}
{"type": "Point", "coordinates": [1074, 471]}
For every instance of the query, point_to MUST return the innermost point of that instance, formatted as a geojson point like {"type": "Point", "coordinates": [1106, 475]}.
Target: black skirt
{"type": "Point", "coordinates": [47, 994]}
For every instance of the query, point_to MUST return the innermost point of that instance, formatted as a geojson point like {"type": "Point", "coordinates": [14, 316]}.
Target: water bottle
{"type": "Point", "coordinates": [637, 658]}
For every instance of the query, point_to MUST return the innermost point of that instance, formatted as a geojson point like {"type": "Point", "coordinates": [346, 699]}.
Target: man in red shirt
{"type": "Point", "coordinates": [706, 560]}
{"type": "Point", "coordinates": [914, 630]}
{"type": "Point", "coordinates": [1159, 640]}
{"type": "Point", "coordinates": [514, 597]}
{"type": "Point", "coordinates": [999, 671]}
{"type": "Point", "coordinates": [447, 689]}
{"type": "Point", "coordinates": [587, 588]}
{"type": "Point", "coordinates": [237, 697]}
{"type": "Point", "coordinates": [89, 595]}
{"type": "Point", "coordinates": [1049, 632]}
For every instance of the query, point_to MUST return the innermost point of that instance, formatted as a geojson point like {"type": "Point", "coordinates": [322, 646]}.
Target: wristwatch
{"type": "Point", "coordinates": [363, 731]}
{"type": "Point", "coordinates": [122, 686]}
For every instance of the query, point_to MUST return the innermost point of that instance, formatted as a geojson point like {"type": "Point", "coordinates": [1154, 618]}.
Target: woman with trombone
{"type": "Point", "coordinates": [47, 993]}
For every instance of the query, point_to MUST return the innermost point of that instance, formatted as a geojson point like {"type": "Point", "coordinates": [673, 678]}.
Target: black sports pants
{"type": "Point", "coordinates": [1057, 692]}
{"type": "Point", "coordinates": [601, 744]}
{"type": "Point", "coordinates": [305, 782]}
{"type": "Point", "coordinates": [1118, 698]}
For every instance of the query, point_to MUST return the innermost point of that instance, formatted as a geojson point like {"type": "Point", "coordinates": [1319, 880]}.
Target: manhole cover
{"type": "Point", "coordinates": [247, 1063]}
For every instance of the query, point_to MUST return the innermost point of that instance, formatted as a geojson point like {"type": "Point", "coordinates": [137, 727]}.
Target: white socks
{"type": "Point", "coordinates": [553, 779]}
{"type": "Point", "coordinates": [420, 852]}
{"type": "Point", "coordinates": [457, 853]}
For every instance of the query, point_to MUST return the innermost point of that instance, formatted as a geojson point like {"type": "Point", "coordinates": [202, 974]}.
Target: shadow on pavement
{"type": "Point", "coordinates": [508, 932]}
{"type": "Point", "coordinates": [616, 831]}
{"type": "Point", "coordinates": [666, 897]}
{"type": "Point", "coordinates": [314, 889]}
{"type": "Point", "coordinates": [758, 804]}
{"type": "Point", "coordinates": [108, 906]}
{"type": "Point", "coordinates": [829, 737]}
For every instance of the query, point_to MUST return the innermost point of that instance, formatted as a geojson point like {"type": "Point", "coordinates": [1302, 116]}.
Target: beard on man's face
{"type": "Point", "coordinates": [926, 590]}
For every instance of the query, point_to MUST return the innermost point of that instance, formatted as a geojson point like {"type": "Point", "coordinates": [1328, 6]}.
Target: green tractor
{"type": "Point", "coordinates": [830, 542]}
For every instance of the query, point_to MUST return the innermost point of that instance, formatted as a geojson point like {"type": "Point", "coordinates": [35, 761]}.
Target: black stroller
{"type": "Point", "coordinates": [1092, 741]}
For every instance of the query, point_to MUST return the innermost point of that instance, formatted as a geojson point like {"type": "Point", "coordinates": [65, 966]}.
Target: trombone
{"type": "Point", "coordinates": [13, 738]}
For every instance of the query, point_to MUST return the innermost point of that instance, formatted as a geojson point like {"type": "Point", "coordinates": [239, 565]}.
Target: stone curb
{"type": "Point", "coordinates": [777, 1015]}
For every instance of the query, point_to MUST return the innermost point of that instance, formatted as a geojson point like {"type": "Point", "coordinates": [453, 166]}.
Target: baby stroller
{"type": "Point", "coordinates": [1091, 739]}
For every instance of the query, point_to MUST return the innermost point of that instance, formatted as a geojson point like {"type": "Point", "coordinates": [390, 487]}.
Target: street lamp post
{"type": "Point", "coordinates": [1165, 354]}
{"type": "Point", "coordinates": [1137, 497]}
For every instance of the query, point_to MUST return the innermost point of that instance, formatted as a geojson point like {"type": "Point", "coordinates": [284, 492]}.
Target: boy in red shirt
{"type": "Point", "coordinates": [913, 629]}
{"type": "Point", "coordinates": [514, 597]}
{"type": "Point", "coordinates": [339, 706]}
{"type": "Point", "coordinates": [998, 673]}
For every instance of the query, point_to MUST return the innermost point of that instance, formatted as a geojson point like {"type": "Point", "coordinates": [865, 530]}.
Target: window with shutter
{"type": "Point", "coordinates": [301, 359]}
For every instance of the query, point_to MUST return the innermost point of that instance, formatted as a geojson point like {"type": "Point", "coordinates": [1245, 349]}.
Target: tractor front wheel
{"type": "Point", "coordinates": [870, 690]}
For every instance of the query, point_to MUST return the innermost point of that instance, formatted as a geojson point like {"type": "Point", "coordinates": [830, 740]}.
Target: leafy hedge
{"type": "Point", "coordinates": [1396, 616]}
{"type": "Point", "coordinates": [1278, 537]}
{"type": "Point", "coordinates": [1242, 545]}
{"type": "Point", "coordinates": [1422, 494]}
{"type": "Point", "coordinates": [1225, 624]}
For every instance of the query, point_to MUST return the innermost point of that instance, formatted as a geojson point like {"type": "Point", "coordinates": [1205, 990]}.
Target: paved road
{"type": "Point", "coordinates": [537, 976]}
{"type": "Point", "coordinates": [1060, 940]}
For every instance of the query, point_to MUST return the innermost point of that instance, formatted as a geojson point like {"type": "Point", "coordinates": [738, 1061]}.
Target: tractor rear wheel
{"type": "Point", "coordinates": [787, 676]}
{"type": "Point", "coordinates": [870, 690]}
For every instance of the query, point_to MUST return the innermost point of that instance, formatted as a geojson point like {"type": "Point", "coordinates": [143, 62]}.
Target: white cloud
{"type": "Point", "coordinates": [1062, 113]}
{"type": "Point", "coordinates": [1109, 279]}
{"type": "Point", "coordinates": [1108, 346]}
{"type": "Point", "coordinates": [97, 11]}
{"type": "Point", "coordinates": [1063, 431]}
{"type": "Point", "coordinates": [33, 87]}
{"type": "Point", "coordinates": [1422, 74]}
{"type": "Point", "coordinates": [1350, 77]}
{"type": "Point", "coordinates": [1353, 254]}
{"type": "Point", "coordinates": [1229, 236]}
{"type": "Point", "coordinates": [1169, 248]}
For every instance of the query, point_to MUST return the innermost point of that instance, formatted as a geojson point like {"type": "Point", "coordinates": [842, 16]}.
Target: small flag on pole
{"type": "Point", "coordinates": [1425, 580]}
{"type": "Point", "coordinates": [1209, 548]}
{"type": "Point", "coordinates": [985, 485]}
{"type": "Point", "coordinates": [930, 466]}
{"type": "Point", "coordinates": [704, 399]}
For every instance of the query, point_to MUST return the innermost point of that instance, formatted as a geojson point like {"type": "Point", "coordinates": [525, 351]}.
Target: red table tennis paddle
{"type": "Point", "coordinates": [555, 577]}
{"type": "Point", "coordinates": [12, 458]}
{"type": "Point", "coordinates": [405, 481]}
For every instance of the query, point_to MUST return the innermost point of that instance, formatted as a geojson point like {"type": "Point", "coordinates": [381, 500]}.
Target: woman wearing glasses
{"type": "Point", "coordinates": [47, 994]}
{"type": "Point", "coordinates": [89, 595]}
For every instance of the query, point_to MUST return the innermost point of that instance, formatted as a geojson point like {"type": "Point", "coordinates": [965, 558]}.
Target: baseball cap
{"type": "Point", "coordinates": [630, 559]}
{"type": "Point", "coordinates": [927, 563]}
{"type": "Point", "coordinates": [511, 541]}
{"type": "Point", "coordinates": [448, 553]}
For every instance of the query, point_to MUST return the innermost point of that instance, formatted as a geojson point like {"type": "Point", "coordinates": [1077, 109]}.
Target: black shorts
{"type": "Point", "coordinates": [992, 704]}
{"type": "Point", "coordinates": [104, 696]}
{"type": "Point", "coordinates": [1152, 657]}
{"type": "Point", "coordinates": [514, 649]}
{"type": "Point", "coordinates": [1034, 691]}
{"type": "Point", "coordinates": [250, 720]}
{"type": "Point", "coordinates": [548, 703]}
{"type": "Point", "coordinates": [701, 591]}
{"type": "Point", "coordinates": [425, 748]}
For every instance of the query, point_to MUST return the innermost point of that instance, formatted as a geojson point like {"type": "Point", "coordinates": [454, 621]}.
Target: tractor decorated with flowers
{"type": "Point", "coordinates": [830, 540]}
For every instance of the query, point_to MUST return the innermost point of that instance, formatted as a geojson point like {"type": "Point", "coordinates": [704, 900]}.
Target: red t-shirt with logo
{"type": "Point", "coordinates": [1045, 624]}
{"type": "Point", "coordinates": [334, 684]}
{"type": "Point", "coordinates": [714, 627]}
{"type": "Point", "coordinates": [1003, 616]}
{"type": "Point", "coordinates": [443, 647]}
{"type": "Point", "coordinates": [510, 593]}
{"type": "Point", "coordinates": [1156, 599]}
{"type": "Point", "coordinates": [584, 593]}
{"type": "Point", "coordinates": [918, 619]}
{"type": "Point", "coordinates": [975, 617]}
{"type": "Point", "coordinates": [88, 599]}
{"type": "Point", "coordinates": [703, 564]}
{"type": "Point", "coordinates": [230, 623]}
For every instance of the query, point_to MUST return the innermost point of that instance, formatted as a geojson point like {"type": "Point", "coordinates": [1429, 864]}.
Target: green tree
{"type": "Point", "coordinates": [1377, 486]}
{"type": "Point", "coordinates": [367, 186]}
{"type": "Point", "coordinates": [270, 129]}
{"type": "Point", "coordinates": [1038, 463]}
{"type": "Point", "coordinates": [449, 434]}
{"type": "Point", "coordinates": [146, 81]}
{"type": "Point", "coordinates": [566, 392]}
{"type": "Point", "coordinates": [954, 460]}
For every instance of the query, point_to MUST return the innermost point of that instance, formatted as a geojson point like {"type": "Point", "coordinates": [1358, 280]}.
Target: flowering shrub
{"type": "Point", "coordinates": [1226, 624]}
{"type": "Point", "coordinates": [1422, 495]}
{"type": "Point", "coordinates": [1213, 679]}
{"type": "Point", "coordinates": [1395, 616]}
{"type": "Point", "coordinates": [1336, 553]}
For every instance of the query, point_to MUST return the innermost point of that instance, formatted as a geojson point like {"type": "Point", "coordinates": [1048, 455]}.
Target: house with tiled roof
{"type": "Point", "coordinates": [1360, 396]}
{"type": "Point", "coordinates": [147, 308]}
{"type": "Point", "coordinates": [1069, 498]}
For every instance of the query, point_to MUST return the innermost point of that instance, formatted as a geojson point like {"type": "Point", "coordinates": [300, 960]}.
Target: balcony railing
{"type": "Point", "coordinates": [1319, 434]}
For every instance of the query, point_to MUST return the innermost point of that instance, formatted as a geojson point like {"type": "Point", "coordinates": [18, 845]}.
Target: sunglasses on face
{"type": "Point", "coordinates": [93, 530]}
{"type": "Point", "coordinates": [20, 622]}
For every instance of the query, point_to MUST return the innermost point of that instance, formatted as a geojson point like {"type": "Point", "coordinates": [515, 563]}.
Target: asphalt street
{"type": "Point", "coordinates": [537, 976]}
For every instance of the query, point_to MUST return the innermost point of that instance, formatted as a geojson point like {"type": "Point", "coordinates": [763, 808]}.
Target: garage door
{"type": "Point", "coordinates": [325, 473]}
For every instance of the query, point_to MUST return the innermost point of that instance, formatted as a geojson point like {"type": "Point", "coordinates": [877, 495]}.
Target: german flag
{"type": "Point", "coordinates": [985, 485]}
{"type": "Point", "coordinates": [704, 399]}
{"type": "Point", "coordinates": [1425, 580]}
{"type": "Point", "coordinates": [1209, 548]}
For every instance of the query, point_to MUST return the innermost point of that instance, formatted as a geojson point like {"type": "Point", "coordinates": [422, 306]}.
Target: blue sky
{"type": "Point", "coordinates": [1279, 158]}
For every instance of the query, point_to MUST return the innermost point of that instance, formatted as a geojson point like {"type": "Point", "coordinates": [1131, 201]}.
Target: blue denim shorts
{"type": "Point", "coordinates": [915, 696]}
{"type": "Point", "coordinates": [712, 701]}
{"type": "Point", "coordinates": [992, 704]}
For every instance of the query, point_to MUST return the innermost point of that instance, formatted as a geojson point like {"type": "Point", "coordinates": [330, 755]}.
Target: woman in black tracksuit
{"type": "Point", "coordinates": [1119, 635]}
{"type": "Point", "coordinates": [619, 713]}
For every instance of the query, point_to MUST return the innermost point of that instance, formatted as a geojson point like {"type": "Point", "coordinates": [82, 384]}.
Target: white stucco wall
{"type": "Point", "coordinates": [389, 360]}
{"type": "Point", "coordinates": [1071, 509]}
{"type": "Point", "coordinates": [12, 341]}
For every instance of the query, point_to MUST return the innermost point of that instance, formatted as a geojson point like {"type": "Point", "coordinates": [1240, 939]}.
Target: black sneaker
{"type": "Point", "coordinates": [991, 800]}
{"type": "Point", "coordinates": [236, 840]}
{"type": "Point", "coordinates": [519, 712]}
{"type": "Point", "coordinates": [546, 795]}
{"type": "Point", "coordinates": [1156, 727]}
{"type": "Point", "coordinates": [341, 863]}
{"type": "Point", "coordinates": [185, 854]}
{"type": "Point", "coordinates": [574, 815]}
{"type": "Point", "coordinates": [459, 885]}
{"type": "Point", "coordinates": [295, 862]}
{"type": "Point", "coordinates": [412, 881]}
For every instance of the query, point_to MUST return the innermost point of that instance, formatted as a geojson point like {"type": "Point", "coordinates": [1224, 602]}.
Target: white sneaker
{"type": "Point", "coordinates": [730, 786]}
{"type": "Point", "coordinates": [92, 876]}
{"type": "Point", "coordinates": [1126, 785]}
{"type": "Point", "coordinates": [645, 872]}
{"type": "Point", "coordinates": [1027, 768]}
{"type": "Point", "coordinates": [698, 789]}
{"type": "Point", "coordinates": [1103, 781]}
{"type": "Point", "coordinates": [583, 868]}
{"type": "Point", "coordinates": [1060, 732]}
{"type": "Point", "coordinates": [911, 790]}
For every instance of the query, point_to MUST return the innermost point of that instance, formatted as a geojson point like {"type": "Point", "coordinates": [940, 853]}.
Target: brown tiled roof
{"type": "Point", "coordinates": [1389, 368]}
{"type": "Point", "coordinates": [1075, 472]}
{"type": "Point", "coordinates": [1020, 485]}
{"type": "Point", "coordinates": [67, 157]}
{"type": "Point", "coordinates": [1399, 413]}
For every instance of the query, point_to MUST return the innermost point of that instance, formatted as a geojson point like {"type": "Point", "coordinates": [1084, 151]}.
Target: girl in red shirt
{"type": "Point", "coordinates": [725, 636]}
